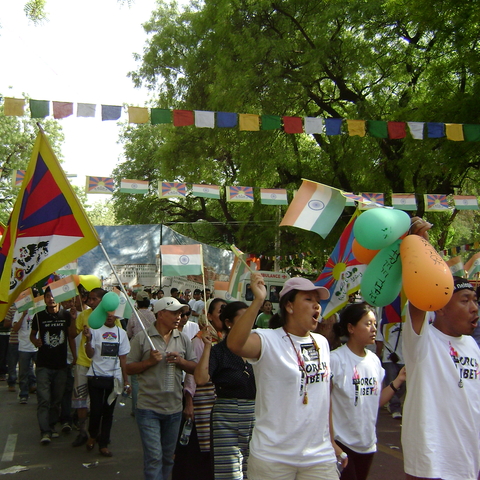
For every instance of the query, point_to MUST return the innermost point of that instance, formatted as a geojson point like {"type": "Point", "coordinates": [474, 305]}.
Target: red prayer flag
{"type": "Point", "coordinates": [396, 130]}
{"type": "Point", "coordinates": [292, 125]}
{"type": "Point", "coordinates": [183, 118]}
{"type": "Point", "coordinates": [62, 109]}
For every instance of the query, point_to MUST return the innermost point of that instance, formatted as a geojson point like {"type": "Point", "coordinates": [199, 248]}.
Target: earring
{"type": "Point", "coordinates": [290, 311]}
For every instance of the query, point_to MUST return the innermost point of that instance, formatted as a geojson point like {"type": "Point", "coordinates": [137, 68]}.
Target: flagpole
{"type": "Point", "coordinates": [122, 288]}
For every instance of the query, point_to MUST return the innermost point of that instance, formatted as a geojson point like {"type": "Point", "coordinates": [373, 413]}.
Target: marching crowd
{"type": "Point", "coordinates": [221, 392]}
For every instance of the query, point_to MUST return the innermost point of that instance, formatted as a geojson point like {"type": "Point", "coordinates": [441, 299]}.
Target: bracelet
{"type": "Point", "coordinates": [343, 456]}
{"type": "Point", "coordinates": [392, 386]}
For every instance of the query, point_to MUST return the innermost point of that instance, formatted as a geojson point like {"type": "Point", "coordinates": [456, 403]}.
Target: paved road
{"type": "Point", "coordinates": [19, 445]}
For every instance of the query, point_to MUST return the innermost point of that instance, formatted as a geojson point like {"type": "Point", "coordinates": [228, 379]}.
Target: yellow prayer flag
{"type": "Point", "coordinates": [356, 127]}
{"type": "Point", "coordinates": [138, 115]}
{"type": "Point", "coordinates": [249, 122]}
{"type": "Point", "coordinates": [454, 131]}
{"type": "Point", "coordinates": [14, 107]}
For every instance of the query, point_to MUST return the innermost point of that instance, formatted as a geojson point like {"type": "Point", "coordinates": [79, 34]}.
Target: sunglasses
{"type": "Point", "coordinates": [185, 314]}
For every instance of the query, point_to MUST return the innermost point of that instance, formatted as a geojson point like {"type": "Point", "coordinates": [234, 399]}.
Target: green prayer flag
{"type": "Point", "coordinates": [471, 132]}
{"type": "Point", "coordinates": [39, 108]}
{"type": "Point", "coordinates": [377, 128]}
{"type": "Point", "coordinates": [271, 122]}
{"type": "Point", "coordinates": [160, 115]}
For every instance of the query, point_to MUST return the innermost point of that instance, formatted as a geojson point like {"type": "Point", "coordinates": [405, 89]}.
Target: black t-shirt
{"type": "Point", "coordinates": [231, 375]}
{"type": "Point", "coordinates": [53, 328]}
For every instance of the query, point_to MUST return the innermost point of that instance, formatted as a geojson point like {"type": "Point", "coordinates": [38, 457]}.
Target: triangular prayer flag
{"type": "Point", "coordinates": [99, 185]}
{"type": "Point", "coordinates": [171, 189]}
{"type": "Point", "coordinates": [183, 118]}
{"type": "Point", "coordinates": [436, 203]}
{"type": "Point", "coordinates": [471, 132]}
{"type": "Point", "coordinates": [62, 109]}
{"type": "Point", "coordinates": [138, 115]}
{"type": "Point", "coordinates": [333, 126]}
{"type": "Point", "coordinates": [204, 119]}
{"type": "Point", "coordinates": [39, 108]}
{"type": "Point", "coordinates": [161, 115]}
{"type": "Point", "coordinates": [356, 128]}
{"type": "Point", "coordinates": [181, 260]}
{"type": "Point", "coordinates": [377, 128]}
{"type": "Point", "coordinates": [226, 119]}
{"type": "Point", "coordinates": [313, 125]}
{"type": "Point", "coordinates": [273, 196]}
{"type": "Point", "coordinates": [239, 194]}
{"type": "Point", "coordinates": [134, 186]}
{"type": "Point", "coordinates": [465, 202]}
{"type": "Point", "coordinates": [47, 228]}
{"type": "Point", "coordinates": [396, 130]}
{"type": "Point", "coordinates": [416, 129]}
{"type": "Point", "coordinates": [13, 107]}
{"type": "Point", "coordinates": [271, 122]}
{"type": "Point", "coordinates": [292, 124]}
{"type": "Point", "coordinates": [435, 130]}
{"type": "Point", "coordinates": [86, 110]}
{"type": "Point", "coordinates": [454, 131]}
{"type": "Point", "coordinates": [206, 191]}
{"type": "Point", "coordinates": [249, 122]}
{"type": "Point", "coordinates": [111, 112]}
{"type": "Point", "coordinates": [404, 201]}
{"type": "Point", "coordinates": [315, 207]}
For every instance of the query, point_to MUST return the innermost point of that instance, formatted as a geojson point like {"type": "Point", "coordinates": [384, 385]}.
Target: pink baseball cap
{"type": "Point", "coordinates": [304, 285]}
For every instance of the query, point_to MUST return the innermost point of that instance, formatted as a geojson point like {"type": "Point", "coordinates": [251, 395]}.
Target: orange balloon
{"type": "Point", "coordinates": [427, 280]}
{"type": "Point", "coordinates": [362, 254]}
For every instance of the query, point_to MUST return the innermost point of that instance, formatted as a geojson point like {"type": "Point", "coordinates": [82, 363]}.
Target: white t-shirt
{"type": "Point", "coordinates": [108, 344]}
{"type": "Point", "coordinates": [441, 414]}
{"type": "Point", "coordinates": [191, 303]}
{"type": "Point", "coordinates": [198, 306]}
{"type": "Point", "coordinates": [24, 343]}
{"type": "Point", "coordinates": [287, 430]}
{"type": "Point", "coordinates": [190, 329]}
{"type": "Point", "coordinates": [357, 385]}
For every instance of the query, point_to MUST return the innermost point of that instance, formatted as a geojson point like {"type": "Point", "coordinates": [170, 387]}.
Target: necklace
{"type": "Point", "coordinates": [301, 363]}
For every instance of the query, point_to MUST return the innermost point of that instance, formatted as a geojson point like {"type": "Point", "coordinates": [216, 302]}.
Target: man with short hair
{"type": "Point", "coordinates": [159, 405]}
{"type": "Point", "coordinates": [441, 414]}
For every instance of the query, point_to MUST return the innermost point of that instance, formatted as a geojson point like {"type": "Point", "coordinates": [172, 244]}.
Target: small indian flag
{"type": "Point", "coordinates": [69, 269]}
{"type": "Point", "coordinates": [315, 207]}
{"type": "Point", "coordinates": [472, 265]}
{"type": "Point", "coordinates": [24, 300]}
{"type": "Point", "coordinates": [273, 196]}
{"type": "Point", "coordinates": [221, 291]}
{"type": "Point", "coordinates": [38, 305]}
{"type": "Point", "coordinates": [181, 260]}
{"type": "Point", "coordinates": [63, 289]}
{"type": "Point", "coordinates": [124, 309]}
{"type": "Point", "coordinates": [134, 186]}
{"type": "Point", "coordinates": [238, 269]}
{"type": "Point", "coordinates": [206, 191]}
{"type": "Point", "coordinates": [404, 201]}
{"type": "Point", "coordinates": [465, 202]}
{"type": "Point", "coordinates": [455, 264]}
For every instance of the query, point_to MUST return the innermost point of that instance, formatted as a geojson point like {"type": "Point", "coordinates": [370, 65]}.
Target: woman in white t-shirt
{"type": "Point", "coordinates": [357, 376]}
{"type": "Point", "coordinates": [291, 439]}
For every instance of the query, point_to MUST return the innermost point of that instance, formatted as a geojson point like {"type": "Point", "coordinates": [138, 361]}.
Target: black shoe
{"type": "Point", "coordinates": [80, 440]}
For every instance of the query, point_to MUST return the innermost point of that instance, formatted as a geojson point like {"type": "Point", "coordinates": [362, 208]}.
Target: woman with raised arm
{"type": "Point", "coordinates": [292, 436]}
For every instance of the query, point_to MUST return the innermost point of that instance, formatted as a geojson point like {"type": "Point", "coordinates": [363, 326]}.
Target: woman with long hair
{"type": "Point", "coordinates": [357, 393]}
{"type": "Point", "coordinates": [291, 439]}
{"type": "Point", "coordinates": [233, 414]}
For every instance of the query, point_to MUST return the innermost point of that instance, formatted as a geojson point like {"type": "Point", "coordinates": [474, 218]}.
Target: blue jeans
{"type": "Point", "coordinates": [159, 435]}
{"type": "Point", "coordinates": [50, 388]}
{"type": "Point", "coordinates": [25, 371]}
{"type": "Point", "coordinates": [12, 360]}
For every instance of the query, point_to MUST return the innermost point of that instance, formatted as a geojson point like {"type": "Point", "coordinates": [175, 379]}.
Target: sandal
{"type": "Point", "coordinates": [106, 452]}
{"type": "Point", "coordinates": [90, 444]}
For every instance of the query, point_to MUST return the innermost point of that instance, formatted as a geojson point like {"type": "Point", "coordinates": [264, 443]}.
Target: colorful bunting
{"type": "Point", "coordinates": [62, 109]}
{"type": "Point", "coordinates": [111, 112]}
{"type": "Point", "coordinates": [86, 110]}
{"type": "Point", "coordinates": [416, 129]}
{"type": "Point", "coordinates": [183, 118]}
{"type": "Point", "coordinates": [39, 108]}
{"type": "Point", "coordinates": [161, 115]}
{"type": "Point", "coordinates": [204, 119]}
{"type": "Point", "coordinates": [13, 107]}
{"type": "Point", "coordinates": [372, 200]}
{"type": "Point", "coordinates": [226, 120]}
{"type": "Point", "coordinates": [99, 185]}
{"type": "Point", "coordinates": [313, 125]}
{"type": "Point", "coordinates": [273, 196]}
{"type": "Point", "coordinates": [404, 201]}
{"type": "Point", "coordinates": [134, 186]}
{"type": "Point", "coordinates": [171, 189]}
{"type": "Point", "coordinates": [356, 128]}
{"type": "Point", "coordinates": [138, 115]}
{"type": "Point", "coordinates": [436, 203]}
{"type": "Point", "coordinates": [465, 202]}
{"type": "Point", "coordinates": [292, 124]}
{"type": "Point", "coordinates": [249, 122]}
{"type": "Point", "coordinates": [239, 194]}
{"type": "Point", "coordinates": [396, 130]}
{"type": "Point", "coordinates": [206, 191]}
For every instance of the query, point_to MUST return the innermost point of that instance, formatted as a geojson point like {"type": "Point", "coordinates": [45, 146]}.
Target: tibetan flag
{"type": "Point", "coordinates": [17, 178]}
{"type": "Point", "coordinates": [273, 196]}
{"type": "Point", "coordinates": [47, 227]}
{"type": "Point", "coordinates": [436, 203]}
{"type": "Point", "coordinates": [342, 273]}
{"type": "Point", "coordinates": [372, 200]}
{"type": "Point", "coordinates": [404, 201]}
{"type": "Point", "coordinates": [171, 189]}
{"type": "Point", "coordinates": [13, 107]}
{"type": "Point", "coordinates": [206, 191]}
{"type": "Point", "coordinates": [234, 284]}
{"type": "Point", "coordinates": [24, 300]}
{"type": "Point", "coordinates": [472, 266]}
{"type": "Point", "coordinates": [465, 202]}
{"type": "Point", "coordinates": [99, 185]}
{"type": "Point", "coordinates": [63, 289]}
{"type": "Point", "coordinates": [352, 198]}
{"type": "Point", "coordinates": [133, 186]}
{"type": "Point", "coordinates": [138, 115]}
{"type": "Point", "coordinates": [2, 229]}
{"type": "Point", "coordinates": [239, 194]}
{"type": "Point", "coordinates": [455, 264]}
{"type": "Point", "coordinates": [38, 305]}
{"type": "Point", "coordinates": [315, 207]}
{"type": "Point", "coordinates": [181, 260]}
{"type": "Point", "coordinates": [70, 268]}
{"type": "Point", "coordinates": [124, 309]}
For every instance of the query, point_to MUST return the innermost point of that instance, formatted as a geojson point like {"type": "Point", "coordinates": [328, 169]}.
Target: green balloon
{"type": "Point", "coordinates": [110, 302]}
{"type": "Point", "coordinates": [98, 317]}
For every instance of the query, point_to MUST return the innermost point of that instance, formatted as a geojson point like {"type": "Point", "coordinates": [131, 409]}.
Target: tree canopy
{"type": "Point", "coordinates": [375, 60]}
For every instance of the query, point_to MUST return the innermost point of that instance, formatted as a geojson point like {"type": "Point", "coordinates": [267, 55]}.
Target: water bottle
{"type": "Point", "coordinates": [170, 377]}
{"type": "Point", "coordinates": [124, 395]}
{"type": "Point", "coordinates": [340, 459]}
{"type": "Point", "coordinates": [186, 431]}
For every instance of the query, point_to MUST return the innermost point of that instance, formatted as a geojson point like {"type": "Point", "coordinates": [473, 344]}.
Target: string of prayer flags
{"type": "Point", "coordinates": [99, 185]}
{"type": "Point", "coordinates": [86, 110]}
{"type": "Point", "coordinates": [356, 128]}
{"type": "Point", "coordinates": [249, 122]}
{"type": "Point", "coordinates": [13, 107]}
{"type": "Point", "coordinates": [138, 115]}
{"type": "Point", "coordinates": [62, 109]}
{"type": "Point", "coordinates": [292, 125]}
{"type": "Point", "coordinates": [204, 119]}
{"type": "Point", "coordinates": [183, 118]}
{"type": "Point", "coordinates": [39, 108]}
{"type": "Point", "coordinates": [111, 112]}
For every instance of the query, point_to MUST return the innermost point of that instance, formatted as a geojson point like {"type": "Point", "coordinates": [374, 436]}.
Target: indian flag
{"type": "Point", "coordinates": [273, 196]}
{"type": "Point", "coordinates": [404, 201]}
{"type": "Point", "coordinates": [24, 300]}
{"type": "Point", "coordinates": [315, 207]}
{"type": "Point", "coordinates": [221, 291]}
{"type": "Point", "coordinates": [234, 285]}
{"type": "Point", "coordinates": [472, 266]}
{"type": "Point", "coordinates": [38, 305]}
{"type": "Point", "coordinates": [181, 260]}
{"type": "Point", "coordinates": [206, 191]}
{"type": "Point", "coordinates": [455, 264]}
{"type": "Point", "coordinates": [465, 202]}
{"type": "Point", "coordinates": [63, 289]}
{"type": "Point", "coordinates": [134, 186]}
{"type": "Point", "coordinates": [124, 309]}
{"type": "Point", "coordinates": [69, 269]}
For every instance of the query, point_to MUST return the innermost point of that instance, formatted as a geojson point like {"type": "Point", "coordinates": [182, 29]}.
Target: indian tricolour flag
{"type": "Point", "coordinates": [124, 309]}
{"type": "Point", "coordinates": [24, 300]}
{"type": "Point", "coordinates": [134, 186]}
{"type": "Point", "coordinates": [181, 260]}
{"type": "Point", "coordinates": [273, 196]}
{"type": "Point", "coordinates": [404, 201]}
{"type": "Point", "coordinates": [455, 264]}
{"type": "Point", "coordinates": [315, 207]}
{"type": "Point", "coordinates": [465, 202]}
{"type": "Point", "coordinates": [63, 289]}
{"type": "Point", "coordinates": [206, 191]}
{"type": "Point", "coordinates": [69, 269]}
{"type": "Point", "coordinates": [234, 285]}
{"type": "Point", "coordinates": [38, 306]}
{"type": "Point", "coordinates": [472, 266]}
{"type": "Point", "coordinates": [221, 290]}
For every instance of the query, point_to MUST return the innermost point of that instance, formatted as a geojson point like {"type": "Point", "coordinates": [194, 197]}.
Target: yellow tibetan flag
{"type": "Point", "coordinates": [249, 122]}
{"type": "Point", "coordinates": [138, 115]}
{"type": "Point", "coordinates": [454, 131]}
{"type": "Point", "coordinates": [14, 107]}
{"type": "Point", "coordinates": [356, 127]}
